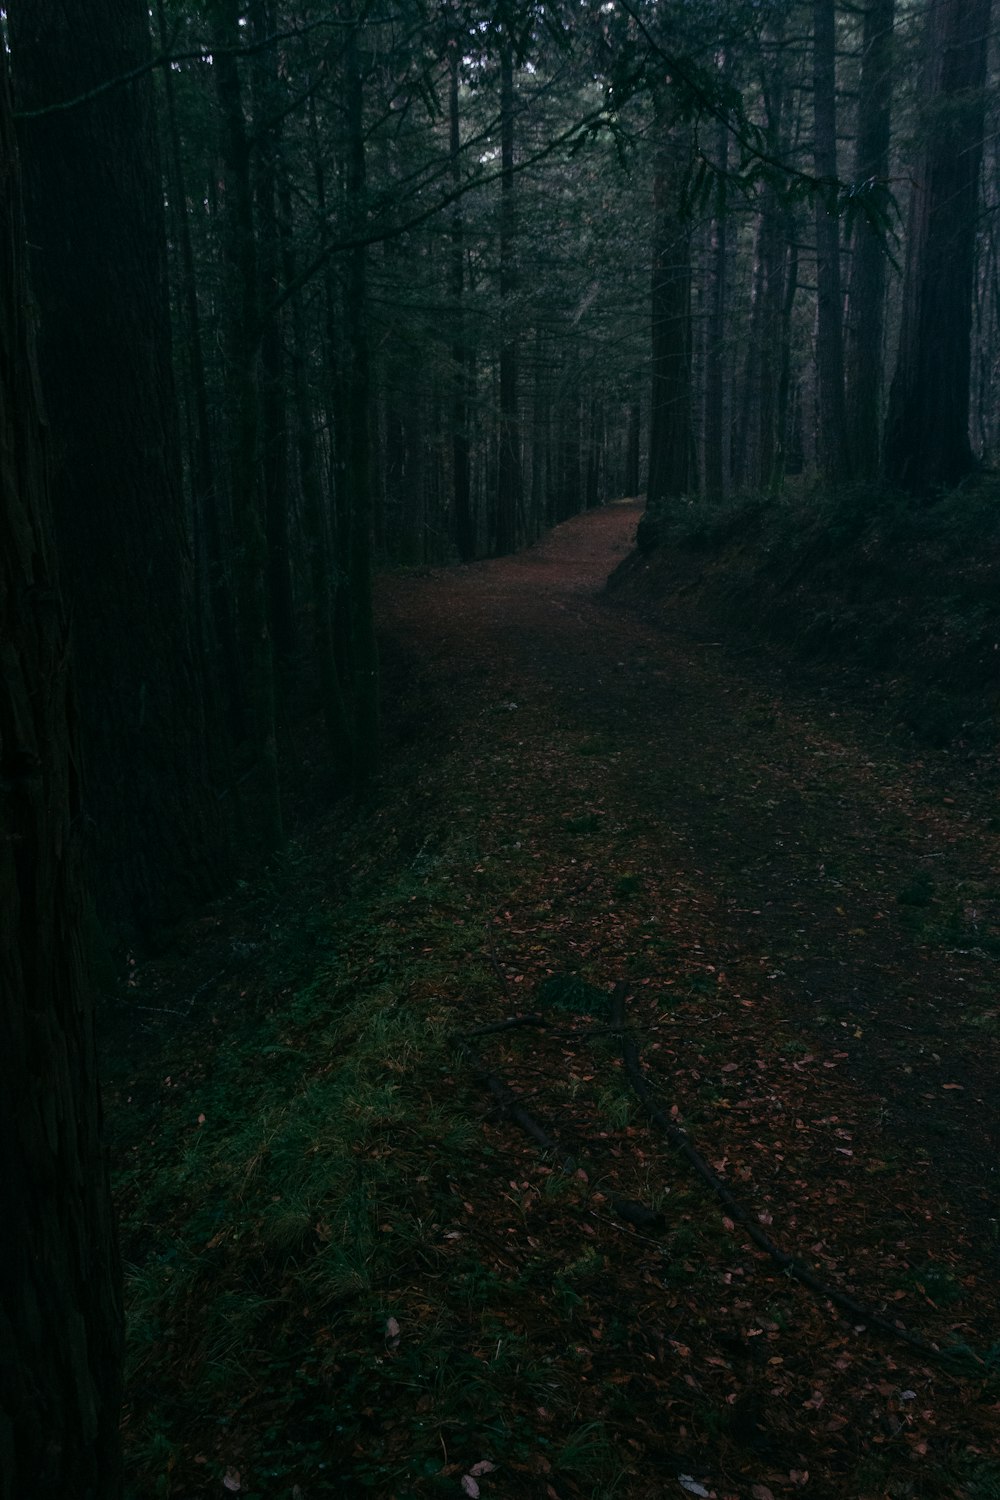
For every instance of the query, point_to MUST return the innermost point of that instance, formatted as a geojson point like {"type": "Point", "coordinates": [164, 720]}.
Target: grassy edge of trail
{"type": "Point", "coordinates": [289, 1170]}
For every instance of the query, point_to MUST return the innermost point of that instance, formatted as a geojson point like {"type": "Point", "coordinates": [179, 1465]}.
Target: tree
{"type": "Point", "coordinates": [833, 449]}
{"type": "Point", "coordinates": [359, 486]}
{"type": "Point", "coordinates": [866, 305]}
{"type": "Point", "coordinates": [506, 528]}
{"type": "Point", "coordinates": [243, 338]}
{"type": "Point", "coordinates": [60, 1316]}
{"type": "Point", "coordinates": [672, 470]}
{"type": "Point", "coordinates": [927, 427]}
{"type": "Point", "coordinates": [94, 209]}
{"type": "Point", "coordinates": [464, 528]}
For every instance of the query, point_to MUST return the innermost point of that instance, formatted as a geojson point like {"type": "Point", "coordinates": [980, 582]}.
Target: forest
{"type": "Point", "coordinates": [500, 694]}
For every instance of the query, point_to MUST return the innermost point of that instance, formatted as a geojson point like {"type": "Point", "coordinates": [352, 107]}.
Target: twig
{"type": "Point", "coordinates": [508, 1025]}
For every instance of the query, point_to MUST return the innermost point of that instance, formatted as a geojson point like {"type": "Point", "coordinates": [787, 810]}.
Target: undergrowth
{"type": "Point", "coordinates": [302, 1310]}
{"type": "Point", "coordinates": [899, 593]}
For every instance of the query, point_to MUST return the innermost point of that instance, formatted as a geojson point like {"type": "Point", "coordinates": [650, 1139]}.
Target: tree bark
{"type": "Point", "coordinates": [672, 468]}
{"type": "Point", "coordinates": [509, 459]}
{"type": "Point", "coordinates": [243, 388]}
{"type": "Point", "coordinates": [315, 519]}
{"type": "Point", "coordinates": [273, 385]}
{"type": "Point", "coordinates": [359, 489]}
{"type": "Point", "coordinates": [95, 224]}
{"type": "Point", "coordinates": [866, 305]}
{"type": "Point", "coordinates": [716, 437]}
{"type": "Point", "coordinates": [927, 428]}
{"type": "Point", "coordinates": [60, 1305]}
{"type": "Point", "coordinates": [833, 449]}
{"type": "Point", "coordinates": [465, 531]}
{"type": "Point", "coordinates": [632, 434]}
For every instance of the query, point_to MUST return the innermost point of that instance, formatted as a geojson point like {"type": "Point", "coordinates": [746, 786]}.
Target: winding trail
{"type": "Point", "coordinates": [848, 889]}
{"type": "Point", "coordinates": [806, 920]}
{"type": "Point", "coordinates": [367, 1260]}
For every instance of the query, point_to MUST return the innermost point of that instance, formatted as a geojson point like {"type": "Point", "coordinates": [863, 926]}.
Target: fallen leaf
{"type": "Point", "coordinates": [761, 1492]}
{"type": "Point", "coordinates": [482, 1467]}
{"type": "Point", "coordinates": [691, 1485]}
{"type": "Point", "coordinates": [231, 1480]}
{"type": "Point", "coordinates": [469, 1486]}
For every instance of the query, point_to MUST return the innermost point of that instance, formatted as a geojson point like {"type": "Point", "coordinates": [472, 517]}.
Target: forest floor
{"type": "Point", "coordinates": [354, 1267]}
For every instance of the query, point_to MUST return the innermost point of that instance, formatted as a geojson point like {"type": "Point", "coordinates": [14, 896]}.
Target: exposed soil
{"type": "Point", "coordinates": [855, 890]}
{"type": "Point", "coordinates": [804, 921]}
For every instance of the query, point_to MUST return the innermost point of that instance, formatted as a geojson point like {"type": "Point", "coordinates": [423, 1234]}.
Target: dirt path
{"type": "Point", "coordinates": [858, 895]}
{"type": "Point", "coordinates": [807, 924]}
{"type": "Point", "coordinates": [353, 1272]}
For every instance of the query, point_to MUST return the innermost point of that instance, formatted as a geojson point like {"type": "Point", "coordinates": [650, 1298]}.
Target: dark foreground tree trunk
{"type": "Point", "coordinates": [95, 220]}
{"type": "Point", "coordinates": [60, 1319]}
{"type": "Point", "coordinates": [927, 427]}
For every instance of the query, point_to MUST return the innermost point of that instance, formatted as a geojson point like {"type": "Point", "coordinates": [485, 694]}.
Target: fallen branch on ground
{"type": "Point", "coordinates": [739, 1214]}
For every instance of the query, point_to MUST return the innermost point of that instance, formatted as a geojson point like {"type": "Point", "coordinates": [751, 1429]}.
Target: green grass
{"type": "Point", "coordinates": [281, 1185]}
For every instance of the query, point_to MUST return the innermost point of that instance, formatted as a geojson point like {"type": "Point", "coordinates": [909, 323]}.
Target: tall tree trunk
{"type": "Point", "coordinates": [716, 444]}
{"type": "Point", "coordinates": [672, 468]}
{"type": "Point", "coordinates": [315, 521]}
{"type": "Point", "coordinates": [833, 449]}
{"type": "Point", "coordinates": [206, 499]}
{"type": "Point", "coordinates": [95, 223]}
{"type": "Point", "coordinates": [273, 395]}
{"type": "Point", "coordinates": [242, 359]}
{"type": "Point", "coordinates": [632, 448]}
{"type": "Point", "coordinates": [866, 305]}
{"type": "Point", "coordinates": [335, 404]}
{"type": "Point", "coordinates": [540, 434]}
{"type": "Point", "coordinates": [927, 428]}
{"type": "Point", "coordinates": [465, 531]}
{"type": "Point", "coordinates": [509, 458]}
{"type": "Point", "coordinates": [60, 1304]}
{"type": "Point", "coordinates": [359, 492]}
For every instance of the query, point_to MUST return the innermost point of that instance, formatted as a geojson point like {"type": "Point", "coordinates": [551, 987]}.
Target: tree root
{"type": "Point", "coordinates": [791, 1266]}
{"type": "Point", "coordinates": [645, 1218]}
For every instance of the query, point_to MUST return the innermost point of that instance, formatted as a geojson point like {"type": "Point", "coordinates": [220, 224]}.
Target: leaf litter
{"type": "Point", "coordinates": [656, 816]}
